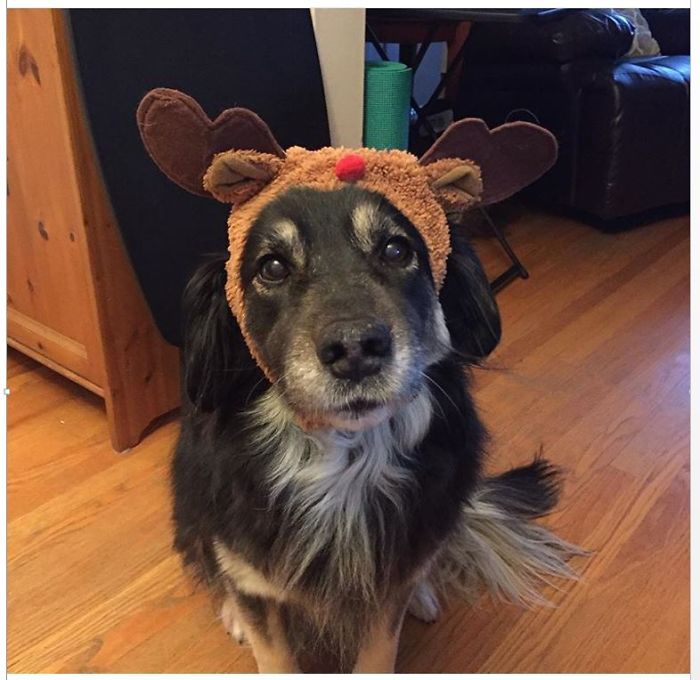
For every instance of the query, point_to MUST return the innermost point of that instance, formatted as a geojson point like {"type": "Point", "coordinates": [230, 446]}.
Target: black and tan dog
{"type": "Point", "coordinates": [328, 477]}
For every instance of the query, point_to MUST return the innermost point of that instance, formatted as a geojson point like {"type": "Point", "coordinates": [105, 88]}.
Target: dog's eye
{"type": "Point", "coordinates": [273, 270]}
{"type": "Point", "coordinates": [397, 250]}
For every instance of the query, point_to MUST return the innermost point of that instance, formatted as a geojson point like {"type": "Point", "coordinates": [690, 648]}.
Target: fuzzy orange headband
{"type": "Point", "coordinates": [237, 160]}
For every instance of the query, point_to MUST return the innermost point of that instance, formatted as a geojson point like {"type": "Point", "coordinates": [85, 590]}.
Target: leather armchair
{"type": "Point", "coordinates": [623, 124]}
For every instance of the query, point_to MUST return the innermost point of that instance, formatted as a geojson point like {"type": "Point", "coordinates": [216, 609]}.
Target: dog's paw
{"type": "Point", "coordinates": [424, 604]}
{"type": "Point", "coordinates": [231, 623]}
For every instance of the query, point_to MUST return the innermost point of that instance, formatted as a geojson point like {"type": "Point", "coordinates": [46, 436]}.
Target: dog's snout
{"type": "Point", "coordinates": [354, 349]}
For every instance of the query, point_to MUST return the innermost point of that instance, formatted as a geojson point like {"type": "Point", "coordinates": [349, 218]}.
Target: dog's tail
{"type": "Point", "coordinates": [498, 545]}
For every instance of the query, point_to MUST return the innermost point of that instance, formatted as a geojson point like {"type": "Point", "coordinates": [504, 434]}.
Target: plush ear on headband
{"type": "Point", "coordinates": [456, 182]}
{"type": "Point", "coordinates": [182, 140]}
{"type": "Point", "coordinates": [509, 157]}
{"type": "Point", "coordinates": [235, 176]}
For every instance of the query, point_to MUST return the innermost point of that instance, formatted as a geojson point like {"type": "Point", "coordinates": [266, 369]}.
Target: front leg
{"type": "Point", "coordinates": [378, 653]}
{"type": "Point", "coordinates": [256, 620]}
{"type": "Point", "coordinates": [231, 621]}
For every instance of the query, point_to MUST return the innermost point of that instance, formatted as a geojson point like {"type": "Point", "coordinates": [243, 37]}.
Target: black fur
{"type": "Point", "coordinates": [470, 310]}
{"type": "Point", "coordinates": [213, 348]}
{"type": "Point", "coordinates": [529, 491]}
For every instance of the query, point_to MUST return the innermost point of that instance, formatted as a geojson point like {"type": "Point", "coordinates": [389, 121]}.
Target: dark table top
{"type": "Point", "coordinates": [475, 15]}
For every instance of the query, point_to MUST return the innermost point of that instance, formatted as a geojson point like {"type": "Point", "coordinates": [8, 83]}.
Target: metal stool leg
{"type": "Point", "coordinates": [517, 269]}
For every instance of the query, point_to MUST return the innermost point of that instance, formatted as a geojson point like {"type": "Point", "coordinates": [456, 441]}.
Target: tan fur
{"type": "Point", "coordinates": [247, 578]}
{"type": "Point", "coordinates": [378, 654]}
{"type": "Point", "coordinates": [288, 232]}
{"type": "Point", "coordinates": [363, 221]}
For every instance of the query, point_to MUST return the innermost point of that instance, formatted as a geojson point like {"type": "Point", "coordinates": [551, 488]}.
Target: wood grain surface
{"type": "Point", "coordinates": [73, 300]}
{"type": "Point", "coordinates": [51, 309]}
{"type": "Point", "coordinates": [594, 366]}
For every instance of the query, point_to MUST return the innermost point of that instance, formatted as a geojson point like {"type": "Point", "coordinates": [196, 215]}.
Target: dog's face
{"type": "Point", "coordinates": [340, 302]}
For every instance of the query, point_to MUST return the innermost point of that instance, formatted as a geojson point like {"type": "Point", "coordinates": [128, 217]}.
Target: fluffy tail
{"type": "Point", "coordinates": [497, 543]}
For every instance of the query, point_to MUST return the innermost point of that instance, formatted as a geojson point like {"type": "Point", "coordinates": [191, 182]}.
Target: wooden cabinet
{"type": "Point", "coordinates": [73, 300]}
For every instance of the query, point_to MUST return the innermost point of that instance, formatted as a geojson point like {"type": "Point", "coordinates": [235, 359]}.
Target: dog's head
{"type": "Point", "coordinates": [343, 276]}
{"type": "Point", "coordinates": [341, 305]}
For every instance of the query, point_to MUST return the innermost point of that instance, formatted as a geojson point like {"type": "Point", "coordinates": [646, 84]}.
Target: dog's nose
{"type": "Point", "coordinates": [354, 349]}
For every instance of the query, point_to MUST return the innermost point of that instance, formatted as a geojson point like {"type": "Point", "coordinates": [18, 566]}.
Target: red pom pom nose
{"type": "Point", "coordinates": [350, 168]}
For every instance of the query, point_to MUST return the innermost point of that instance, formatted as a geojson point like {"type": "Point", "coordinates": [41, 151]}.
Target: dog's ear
{"type": "Point", "coordinates": [183, 140]}
{"type": "Point", "coordinates": [509, 157]}
{"type": "Point", "coordinates": [214, 355]}
{"type": "Point", "coordinates": [470, 309]}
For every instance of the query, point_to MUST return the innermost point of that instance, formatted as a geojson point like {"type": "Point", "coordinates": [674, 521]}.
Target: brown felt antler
{"type": "Point", "coordinates": [510, 156]}
{"type": "Point", "coordinates": [182, 140]}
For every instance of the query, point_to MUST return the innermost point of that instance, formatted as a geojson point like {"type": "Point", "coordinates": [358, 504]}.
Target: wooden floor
{"type": "Point", "coordinates": [594, 365]}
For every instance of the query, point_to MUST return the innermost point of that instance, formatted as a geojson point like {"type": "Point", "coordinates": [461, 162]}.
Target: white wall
{"type": "Point", "coordinates": [340, 39]}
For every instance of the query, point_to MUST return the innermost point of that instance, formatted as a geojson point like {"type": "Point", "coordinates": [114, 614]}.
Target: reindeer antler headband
{"type": "Point", "coordinates": [237, 160]}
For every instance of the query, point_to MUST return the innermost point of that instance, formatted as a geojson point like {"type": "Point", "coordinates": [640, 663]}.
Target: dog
{"type": "Point", "coordinates": [324, 506]}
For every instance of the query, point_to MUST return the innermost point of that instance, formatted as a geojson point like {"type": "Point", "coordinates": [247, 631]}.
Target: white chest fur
{"type": "Point", "coordinates": [333, 482]}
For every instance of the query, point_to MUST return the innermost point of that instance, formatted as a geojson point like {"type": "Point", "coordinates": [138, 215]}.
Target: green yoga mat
{"type": "Point", "coordinates": [387, 104]}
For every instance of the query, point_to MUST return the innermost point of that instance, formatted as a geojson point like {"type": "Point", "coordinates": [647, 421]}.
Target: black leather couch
{"type": "Point", "coordinates": [623, 124]}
